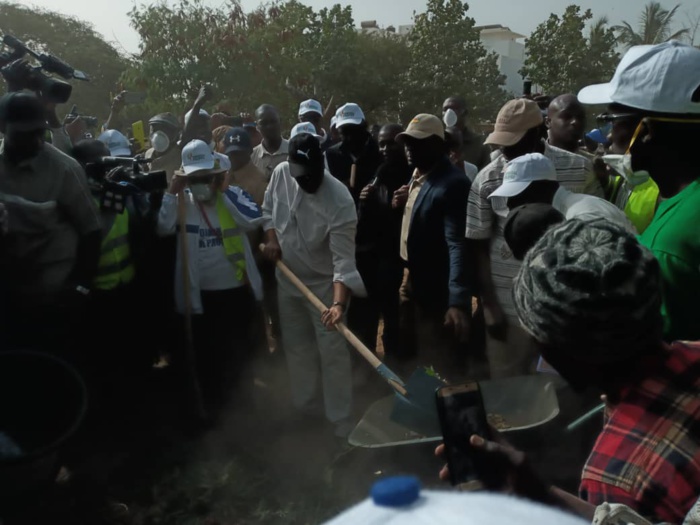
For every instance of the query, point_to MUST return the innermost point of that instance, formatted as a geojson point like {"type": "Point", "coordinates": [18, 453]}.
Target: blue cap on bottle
{"type": "Point", "coordinates": [399, 491]}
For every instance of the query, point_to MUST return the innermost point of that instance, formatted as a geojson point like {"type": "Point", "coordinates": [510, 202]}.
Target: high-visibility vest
{"type": "Point", "coordinates": [641, 205]}
{"type": "Point", "coordinates": [115, 267]}
{"type": "Point", "coordinates": [232, 238]}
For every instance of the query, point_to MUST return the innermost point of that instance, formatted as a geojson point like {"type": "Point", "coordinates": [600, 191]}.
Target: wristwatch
{"type": "Point", "coordinates": [82, 290]}
{"type": "Point", "coordinates": [338, 303]}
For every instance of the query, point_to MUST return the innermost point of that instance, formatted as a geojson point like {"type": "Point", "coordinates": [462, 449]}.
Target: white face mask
{"type": "Point", "coordinates": [622, 165]}
{"type": "Point", "coordinates": [160, 141]}
{"type": "Point", "coordinates": [450, 118]}
{"type": "Point", "coordinates": [201, 192]}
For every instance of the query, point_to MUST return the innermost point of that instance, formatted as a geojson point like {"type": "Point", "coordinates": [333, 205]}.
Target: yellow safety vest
{"type": "Point", "coordinates": [641, 206]}
{"type": "Point", "coordinates": [232, 238]}
{"type": "Point", "coordinates": [115, 267]}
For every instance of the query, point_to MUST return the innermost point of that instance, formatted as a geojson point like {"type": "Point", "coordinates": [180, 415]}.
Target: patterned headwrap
{"type": "Point", "coordinates": [590, 289]}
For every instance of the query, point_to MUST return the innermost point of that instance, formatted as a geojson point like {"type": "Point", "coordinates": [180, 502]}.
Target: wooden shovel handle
{"type": "Point", "coordinates": [341, 327]}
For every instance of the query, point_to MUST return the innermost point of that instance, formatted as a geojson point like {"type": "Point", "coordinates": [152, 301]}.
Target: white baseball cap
{"type": "Point", "coordinates": [663, 78]}
{"type": "Point", "coordinates": [522, 171]}
{"type": "Point", "coordinates": [197, 156]}
{"type": "Point", "coordinates": [304, 127]}
{"type": "Point", "coordinates": [350, 113]}
{"type": "Point", "coordinates": [310, 106]}
{"type": "Point", "coordinates": [224, 163]}
{"type": "Point", "coordinates": [117, 143]}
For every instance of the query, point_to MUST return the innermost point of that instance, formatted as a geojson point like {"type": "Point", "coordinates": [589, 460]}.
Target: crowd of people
{"type": "Point", "coordinates": [571, 249]}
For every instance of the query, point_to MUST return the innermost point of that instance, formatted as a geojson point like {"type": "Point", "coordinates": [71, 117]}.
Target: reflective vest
{"type": "Point", "coordinates": [115, 267]}
{"type": "Point", "coordinates": [232, 238]}
{"type": "Point", "coordinates": [641, 205]}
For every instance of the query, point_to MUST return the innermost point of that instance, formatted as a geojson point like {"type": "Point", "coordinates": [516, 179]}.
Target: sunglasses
{"type": "Point", "coordinates": [615, 117]}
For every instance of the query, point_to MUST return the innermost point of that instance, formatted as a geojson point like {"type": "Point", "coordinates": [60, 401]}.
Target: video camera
{"type": "Point", "coordinates": [90, 122]}
{"type": "Point", "coordinates": [121, 177]}
{"type": "Point", "coordinates": [21, 75]}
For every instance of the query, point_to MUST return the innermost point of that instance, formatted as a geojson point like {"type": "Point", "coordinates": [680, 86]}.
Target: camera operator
{"type": "Point", "coordinates": [115, 289]}
{"type": "Point", "coordinates": [49, 255]}
{"type": "Point", "coordinates": [164, 132]}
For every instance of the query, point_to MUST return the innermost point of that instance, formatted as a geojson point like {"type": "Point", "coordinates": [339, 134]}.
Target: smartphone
{"type": "Point", "coordinates": [132, 98]}
{"type": "Point", "coordinates": [527, 88]}
{"type": "Point", "coordinates": [462, 414]}
{"type": "Point", "coordinates": [139, 135]}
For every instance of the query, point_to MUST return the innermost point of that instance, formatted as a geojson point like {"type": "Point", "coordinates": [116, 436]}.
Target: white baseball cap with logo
{"type": "Point", "coordinates": [523, 171]}
{"type": "Point", "coordinates": [664, 78]}
{"type": "Point", "coordinates": [304, 127]}
{"type": "Point", "coordinates": [310, 106]}
{"type": "Point", "coordinates": [197, 156]}
{"type": "Point", "coordinates": [350, 113]}
{"type": "Point", "coordinates": [117, 143]}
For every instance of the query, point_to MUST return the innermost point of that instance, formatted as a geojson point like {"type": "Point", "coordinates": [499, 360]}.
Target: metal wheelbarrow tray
{"type": "Point", "coordinates": [523, 403]}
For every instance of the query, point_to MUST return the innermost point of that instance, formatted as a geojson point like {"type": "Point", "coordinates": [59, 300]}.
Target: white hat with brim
{"type": "Point", "coordinates": [522, 172]}
{"type": "Point", "coordinates": [304, 127]}
{"type": "Point", "coordinates": [662, 79]}
{"type": "Point", "coordinates": [603, 93]}
{"type": "Point", "coordinates": [350, 113]}
{"type": "Point", "coordinates": [197, 156]}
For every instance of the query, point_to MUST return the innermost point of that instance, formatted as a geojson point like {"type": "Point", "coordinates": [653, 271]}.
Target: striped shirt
{"type": "Point", "coordinates": [486, 218]}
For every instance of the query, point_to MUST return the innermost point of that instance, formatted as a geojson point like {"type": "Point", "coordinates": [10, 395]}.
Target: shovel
{"type": "Point", "coordinates": [414, 401]}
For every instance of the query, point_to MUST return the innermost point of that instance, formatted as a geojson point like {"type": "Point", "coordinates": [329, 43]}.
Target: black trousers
{"type": "Point", "coordinates": [382, 277]}
{"type": "Point", "coordinates": [223, 343]}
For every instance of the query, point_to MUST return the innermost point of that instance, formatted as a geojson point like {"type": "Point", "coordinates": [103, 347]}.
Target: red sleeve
{"type": "Point", "coordinates": [597, 493]}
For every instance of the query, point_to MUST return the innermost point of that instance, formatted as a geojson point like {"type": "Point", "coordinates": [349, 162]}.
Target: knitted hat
{"type": "Point", "coordinates": [590, 289]}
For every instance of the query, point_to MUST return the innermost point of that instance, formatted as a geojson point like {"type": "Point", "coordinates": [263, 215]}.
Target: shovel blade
{"type": "Point", "coordinates": [418, 411]}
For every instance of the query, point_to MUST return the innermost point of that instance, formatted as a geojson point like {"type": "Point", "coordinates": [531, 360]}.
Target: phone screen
{"type": "Point", "coordinates": [462, 414]}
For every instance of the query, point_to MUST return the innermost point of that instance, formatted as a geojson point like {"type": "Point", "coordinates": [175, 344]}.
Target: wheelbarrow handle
{"type": "Point", "coordinates": [365, 352]}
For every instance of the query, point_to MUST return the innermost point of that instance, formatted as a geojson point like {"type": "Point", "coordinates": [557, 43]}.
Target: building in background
{"type": "Point", "coordinates": [496, 38]}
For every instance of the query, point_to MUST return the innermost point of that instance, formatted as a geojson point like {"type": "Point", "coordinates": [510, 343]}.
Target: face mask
{"type": "Point", "coordinates": [622, 165]}
{"type": "Point", "coordinates": [450, 118]}
{"type": "Point", "coordinates": [160, 141]}
{"type": "Point", "coordinates": [201, 192]}
{"type": "Point", "coordinates": [307, 181]}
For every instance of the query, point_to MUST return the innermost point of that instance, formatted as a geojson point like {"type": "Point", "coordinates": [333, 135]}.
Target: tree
{"type": "Point", "coordinates": [562, 59]}
{"type": "Point", "coordinates": [448, 58]}
{"type": "Point", "coordinates": [655, 25]}
{"type": "Point", "coordinates": [279, 53]}
{"type": "Point", "coordinates": [75, 42]}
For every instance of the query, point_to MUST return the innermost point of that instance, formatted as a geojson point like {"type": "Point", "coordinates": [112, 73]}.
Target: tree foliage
{"type": "Point", "coordinates": [655, 26]}
{"type": "Point", "coordinates": [448, 58]}
{"type": "Point", "coordinates": [562, 58]}
{"type": "Point", "coordinates": [283, 52]}
{"type": "Point", "coordinates": [75, 42]}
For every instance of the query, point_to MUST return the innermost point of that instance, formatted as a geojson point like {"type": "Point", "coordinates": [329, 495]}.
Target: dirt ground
{"type": "Point", "coordinates": [260, 463]}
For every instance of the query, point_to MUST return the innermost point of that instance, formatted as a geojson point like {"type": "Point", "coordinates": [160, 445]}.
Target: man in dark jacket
{"type": "Point", "coordinates": [432, 239]}
{"type": "Point", "coordinates": [375, 209]}
{"type": "Point", "coordinates": [354, 162]}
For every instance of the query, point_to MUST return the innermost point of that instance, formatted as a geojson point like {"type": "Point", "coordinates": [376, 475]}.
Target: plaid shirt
{"type": "Point", "coordinates": [648, 454]}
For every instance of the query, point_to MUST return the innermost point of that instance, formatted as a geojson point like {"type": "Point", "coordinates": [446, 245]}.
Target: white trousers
{"type": "Point", "coordinates": [315, 355]}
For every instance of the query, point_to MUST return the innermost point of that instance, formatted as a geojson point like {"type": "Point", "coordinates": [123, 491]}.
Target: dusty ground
{"type": "Point", "coordinates": [260, 464]}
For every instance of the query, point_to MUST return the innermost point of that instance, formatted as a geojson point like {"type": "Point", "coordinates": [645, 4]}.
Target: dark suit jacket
{"type": "Point", "coordinates": [440, 272]}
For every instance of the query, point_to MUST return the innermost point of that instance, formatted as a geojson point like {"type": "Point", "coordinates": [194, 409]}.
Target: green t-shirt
{"type": "Point", "coordinates": [674, 238]}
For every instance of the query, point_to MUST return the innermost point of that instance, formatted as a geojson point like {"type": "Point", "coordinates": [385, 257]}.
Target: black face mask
{"type": "Point", "coordinates": [308, 179]}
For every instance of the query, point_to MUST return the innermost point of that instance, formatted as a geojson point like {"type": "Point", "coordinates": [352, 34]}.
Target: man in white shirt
{"type": "Point", "coordinates": [532, 178]}
{"type": "Point", "coordinates": [518, 131]}
{"type": "Point", "coordinates": [310, 222]}
{"type": "Point", "coordinates": [273, 149]}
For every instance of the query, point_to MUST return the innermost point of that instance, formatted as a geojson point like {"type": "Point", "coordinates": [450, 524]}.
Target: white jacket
{"type": "Point", "coordinates": [248, 217]}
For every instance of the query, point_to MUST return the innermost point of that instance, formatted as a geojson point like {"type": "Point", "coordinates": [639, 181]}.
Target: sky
{"type": "Point", "coordinates": [109, 17]}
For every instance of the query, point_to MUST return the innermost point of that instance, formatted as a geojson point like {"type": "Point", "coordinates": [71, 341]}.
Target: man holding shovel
{"type": "Point", "coordinates": [310, 223]}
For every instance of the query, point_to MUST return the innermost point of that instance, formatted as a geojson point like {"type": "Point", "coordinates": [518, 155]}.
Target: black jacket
{"type": "Point", "coordinates": [340, 164]}
{"type": "Point", "coordinates": [441, 273]}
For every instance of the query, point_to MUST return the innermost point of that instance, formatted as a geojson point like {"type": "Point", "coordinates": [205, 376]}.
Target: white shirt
{"type": "Point", "coordinates": [215, 271]}
{"type": "Point", "coordinates": [315, 231]}
{"type": "Point", "coordinates": [247, 216]}
{"type": "Point", "coordinates": [267, 161]}
{"type": "Point", "coordinates": [588, 208]}
{"type": "Point", "coordinates": [486, 217]}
